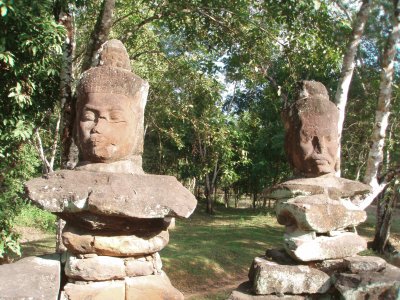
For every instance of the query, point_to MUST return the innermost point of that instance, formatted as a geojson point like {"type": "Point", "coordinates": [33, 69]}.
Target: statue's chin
{"type": "Point", "coordinates": [101, 155]}
{"type": "Point", "coordinates": [317, 170]}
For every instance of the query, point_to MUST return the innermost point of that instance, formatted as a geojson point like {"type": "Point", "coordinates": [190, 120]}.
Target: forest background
{"type": "Point", "coordinates": [220, 73]}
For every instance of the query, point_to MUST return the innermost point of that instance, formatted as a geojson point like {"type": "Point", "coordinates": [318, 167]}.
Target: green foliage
{"type": "Point", "coordinates": [9, 245]}
{"type": "Point", "coordinates": [188, 51]}
{"type": "Point", "coordinates": [31, 216]}
{"type": "Point", "coordinates": [30, 53]}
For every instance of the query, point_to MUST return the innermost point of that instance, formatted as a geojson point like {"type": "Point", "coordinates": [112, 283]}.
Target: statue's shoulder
{"type": "Point", "coordinates": [336, 187]}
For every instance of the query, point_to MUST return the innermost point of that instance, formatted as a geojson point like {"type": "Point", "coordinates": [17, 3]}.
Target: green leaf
{"type": "Point", "coordinates": [3, 11]}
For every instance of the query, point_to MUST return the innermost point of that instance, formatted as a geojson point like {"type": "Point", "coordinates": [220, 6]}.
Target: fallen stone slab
{"type": "Point", "coordinates": [102, 290]}
{"type": "Point", "coordinates": [111, 194]}
{"type": "Point", "coordinates": [244, 292]}
{"type": "Point", "coordinates": [308, 247]}
{"type": "Point", "coordinates": [80, 241]}
{"type": "Point", "coordinates": [336, 188]}
{"type": "Point", "coordinates": [151, 287]}
{"type": "Point", "coordinates": [317, 213]}
{"type": "Point", "coordinates": [358, 264]}
{"type": "Point", "coordinates": [370, 285]}
{"type": "Point", "coordinates": [34, 277]}
{"type": "Point", "coordinates": [272, 278]}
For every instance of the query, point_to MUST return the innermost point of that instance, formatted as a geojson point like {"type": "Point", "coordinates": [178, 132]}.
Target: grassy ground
{"type": "Point", "coordinates": [207, 256]}
{"type": "Point", "coordinates": [208, 252]}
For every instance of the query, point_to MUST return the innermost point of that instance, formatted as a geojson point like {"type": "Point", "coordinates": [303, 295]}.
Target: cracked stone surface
{"type": "Point", "coordinates": [111, 194]}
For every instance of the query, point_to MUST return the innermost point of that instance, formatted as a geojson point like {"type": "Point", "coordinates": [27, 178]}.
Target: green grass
{"type": "Point", "coordinates": [211, 251]}
{"type": "Point", "coordinates": [31, 216]}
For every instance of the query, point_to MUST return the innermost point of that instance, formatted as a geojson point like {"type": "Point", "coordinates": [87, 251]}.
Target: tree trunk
{"type": "Point", "coordinates": [100, 33]}
{"type": "Point", "coordinates": [237, 197]}
{"type": "Point", "coordinates": [66, 94]}
{"type": "Point", "coordinates": [226, 197]}
{"type": "Point", "coordinates": [348, 68]}
{"type": "Point", "coordinates": [254, 200]}
{"type": "Point", "coordinates": [375, 157]}
{"type": "Point", "coordinates": [207, 191]}
{"type": "Point", "coordinates": [384, 220]}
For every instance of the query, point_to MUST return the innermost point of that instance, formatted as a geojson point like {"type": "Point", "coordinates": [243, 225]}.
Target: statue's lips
{"type": "Point", "coordinates": [319, 160]}
{"type": "Point", "coordinates": [97, 141]}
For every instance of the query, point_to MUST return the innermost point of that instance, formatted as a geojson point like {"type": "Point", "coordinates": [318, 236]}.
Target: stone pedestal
{"type": "Point", "coordinates": [115, 226]}
{"type": "Point", "coordinates": [319, 258]}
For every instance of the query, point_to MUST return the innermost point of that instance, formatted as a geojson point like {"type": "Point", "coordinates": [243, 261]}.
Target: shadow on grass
{"type": "Point", "coordinates": [207, 251]}
{"type": "Point", "coordinates": [38, 247]}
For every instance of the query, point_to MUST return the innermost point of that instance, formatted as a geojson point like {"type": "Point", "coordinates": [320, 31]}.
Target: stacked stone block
{"type": "Point", "coordinates": [319, 258]}
{"type": "Point", "coordinates": [116, 226]}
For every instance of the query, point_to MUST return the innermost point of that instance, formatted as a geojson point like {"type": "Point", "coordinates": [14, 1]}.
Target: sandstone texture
{"type": "Point", "coordinates": [80, 241]}
{"type": "Point", "coordinates": [271, 278]}
{"type": "Point", "coordinates": [31, 278]}
{"type": "Point", "coordinates": [358, 264]}
{"type": "Point", "coordinates": [95, 222]}
{"type": "Point", "coordinates": [95, 269]}
{"type": "Point", "coordinates": [305, 247]}
{"type": "Point", "coordinates": [111, 194]}
{"type": "Point", "coordinates": [151, 287]}
{"type": "Point", "coordinates": [104, 290]}
{"type": "Point", "coordinates": [370, 285]}
{"type": "Point", "coordinates": [244, 292]}
{"type": "Point", "coordinates": [142, 266]}
{"type": "Point", "coordinates": [332, 266]}
{"type": "Point", "coordinates": [305, 213]}
{"type": "Point", "coordinates": [336, 188]}
{"type": "Point", "coordinates": [101, 268]}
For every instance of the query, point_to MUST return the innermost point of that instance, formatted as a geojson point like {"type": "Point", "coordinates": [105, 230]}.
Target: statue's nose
{"type": "Point", "coordinates": [100, 125]}
{"type": "Point", "coordinates": [318, 144]}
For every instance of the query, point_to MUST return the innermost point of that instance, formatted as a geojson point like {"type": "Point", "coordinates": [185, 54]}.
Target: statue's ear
{"type": "Point", "coordinates": [337, 165]}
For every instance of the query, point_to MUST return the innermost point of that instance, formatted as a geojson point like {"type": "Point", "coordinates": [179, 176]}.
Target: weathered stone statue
{"type": "Point", "coordinates": [110, 111]}
{"type": "Point", "coordinates": [319, 212]}
{"type": "Point", "coordinates": [117, 216]}
{"type": "Point", "coordinates": [311, 140]}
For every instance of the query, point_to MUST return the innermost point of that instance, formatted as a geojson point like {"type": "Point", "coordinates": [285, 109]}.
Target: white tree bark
{"type": "Point", "coordinates": [375, 157]}
{"type": "Point", "coordinates": [348, 67]}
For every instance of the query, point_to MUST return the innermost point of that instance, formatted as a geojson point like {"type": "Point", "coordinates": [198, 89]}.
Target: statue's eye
{"type": "Point", "coordinates": [88, 116]}
{"type": "Point", "coordinates": [116, 117]}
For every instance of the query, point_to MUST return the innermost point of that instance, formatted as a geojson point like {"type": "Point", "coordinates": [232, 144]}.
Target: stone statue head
{"type": "Point", "coordinates": [110, 109]}
{"type": "Point", "coordinates": [312, 139]}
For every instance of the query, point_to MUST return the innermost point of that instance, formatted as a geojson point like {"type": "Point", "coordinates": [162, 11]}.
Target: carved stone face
{"type": "Point", "coordinates": [315, 145]}
{"type": "Point", "coordinates": [106, 124]}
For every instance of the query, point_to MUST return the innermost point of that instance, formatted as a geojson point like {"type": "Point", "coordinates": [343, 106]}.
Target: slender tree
{"type": "Point", "coordinates": [374, 175]}
{"type": "Point", "coordinates": [375, 158]}
{"type": "Point", "coordinates": [349, 64]}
